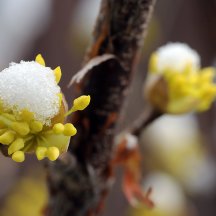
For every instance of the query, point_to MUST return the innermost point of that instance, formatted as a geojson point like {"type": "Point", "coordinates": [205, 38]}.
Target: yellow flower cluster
{"type": "Point", "coordinates": [185, 90]}
{"type": "Point", "coordinates": [21, 132]}
{"type": "Point", "coordinates": [194, 89]}
{"type": "Point", "coordinates": [29, 196]}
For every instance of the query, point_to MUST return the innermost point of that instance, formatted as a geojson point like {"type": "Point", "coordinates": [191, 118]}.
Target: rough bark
{"type": "Point", "coordinates": [80, 180]}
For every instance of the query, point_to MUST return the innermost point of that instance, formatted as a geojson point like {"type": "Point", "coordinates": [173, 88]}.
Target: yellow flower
{"type": "Point", "coordinates": [32, 111]}
{"type": "Point", "coordinates": [29, 196]}
{"type": "Point", "coordinates": [176, 83]}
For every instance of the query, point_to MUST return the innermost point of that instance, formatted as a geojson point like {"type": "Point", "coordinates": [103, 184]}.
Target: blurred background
{"type": "Point", "coordinates": [179, 153]}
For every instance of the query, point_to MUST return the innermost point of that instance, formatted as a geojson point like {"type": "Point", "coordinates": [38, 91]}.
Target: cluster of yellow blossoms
{"type": "Point", "coordinates": [180, 85]}
{"type": "Point", "coordinates": [21, 132]}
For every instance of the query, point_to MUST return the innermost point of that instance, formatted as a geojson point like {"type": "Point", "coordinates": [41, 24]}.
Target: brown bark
{"type": "Point", "coordinates": [146, 118]}
{"type": "Point", "coordinates": [80, 181]}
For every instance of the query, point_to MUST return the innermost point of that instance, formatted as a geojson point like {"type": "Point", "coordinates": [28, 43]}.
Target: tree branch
{"type": "Point", "coordinates": [80, 181]}
{"type": "Point", "coordinates": [146, 118]}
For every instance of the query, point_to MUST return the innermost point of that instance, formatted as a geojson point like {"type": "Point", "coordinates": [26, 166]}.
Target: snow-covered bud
{"type": "Point", "coordinates": [176, 83]}
{"type": "Point", "coordinates": [33, 112]}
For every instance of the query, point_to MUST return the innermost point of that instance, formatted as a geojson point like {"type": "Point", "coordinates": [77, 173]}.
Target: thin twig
{"type": "Point", "coordinates": [146, 118]}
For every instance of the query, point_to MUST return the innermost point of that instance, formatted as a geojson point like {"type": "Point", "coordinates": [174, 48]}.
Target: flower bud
{"type": "Point", "coordinates": [176, 84]}
{"type": "Point", "coordinates": [33, 111]}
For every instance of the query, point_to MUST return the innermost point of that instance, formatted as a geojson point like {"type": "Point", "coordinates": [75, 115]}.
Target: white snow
{"type": "Point", "coordinates": [132, 141]}
{"type": "Point", "coordinates": [176, 56]}
{"type": "Point", "coordinates": [31, 86]}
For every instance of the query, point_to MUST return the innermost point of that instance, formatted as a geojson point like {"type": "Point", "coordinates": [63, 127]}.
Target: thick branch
{"type": "Point", "coordinates": [79, 182]}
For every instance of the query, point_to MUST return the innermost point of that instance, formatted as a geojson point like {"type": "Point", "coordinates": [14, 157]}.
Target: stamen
{"type": "Point", "coordinates": [53, 153]}
{"type": "Point", "coordinates": [69, 130]}
{"type": "Point", "coordinates": [60, 98]}
{"type": "Point", "coordinates": [153, 63]}
{"type": "Point", "coordinates": [39, 59]}
{"type": "Point", "coordinates": [41, 152]}
{"type": "Point", "coordinates": [79, 103]}
{"type": "Point", "coordinates": [58, 74]}
{"type": "Point", "coordinates": [21, 127]}
{"type": "Point", "coordinates": [7, 137]}
{"type": "Point", "coordinates": [18, 156]}
{"type": "Point", "coordinates": [9, 116]}
{"type": "Point", "coordinates": [36, 126]}
{"type": "Point", "coordinates": [16, 145]}
{"type": "Point", "coordinates": [26, 115]}
{"type": "Point", "coordinates": [58, 128]}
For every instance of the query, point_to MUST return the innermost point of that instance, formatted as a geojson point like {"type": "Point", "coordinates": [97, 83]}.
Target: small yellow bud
{"type": "Point", "coordinates": [9, 116]}
{"type": "Point", "coordinates": [41, 152]}
{"type": "Point", "coordinates": [52, 153]}
{"type": "Point", "coordinates": [60, 98]}
{"type": "Point", "coordinates": [58, 74]}
{"type": "Point", "coordinates": [58, 128]}
{"type": "Point", "coordinates": [79, 103]}
{"type": "Point", "coordinates": [207, 74]}
{"type": "Point", "coordinates": [36, 126]}
{"type": "Point", "coordinates": [39, 59]}
{"type": "Point", "coordinates": [188, 69]}
{"type": "Point", "coordinates": [21, 127]}
{"type": "Point", "coordinates": [7, 137]}
{"type": "Point", "coordinates": [18, 156]}
{"type": "Point", "coordinates": [26, 115]}
{"type": "Point", "coordinates": [69, 130]}
{"type": "Point", "coordinates": [16, 145]}
{"type": "Point", "coordinates": [153, 63]}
